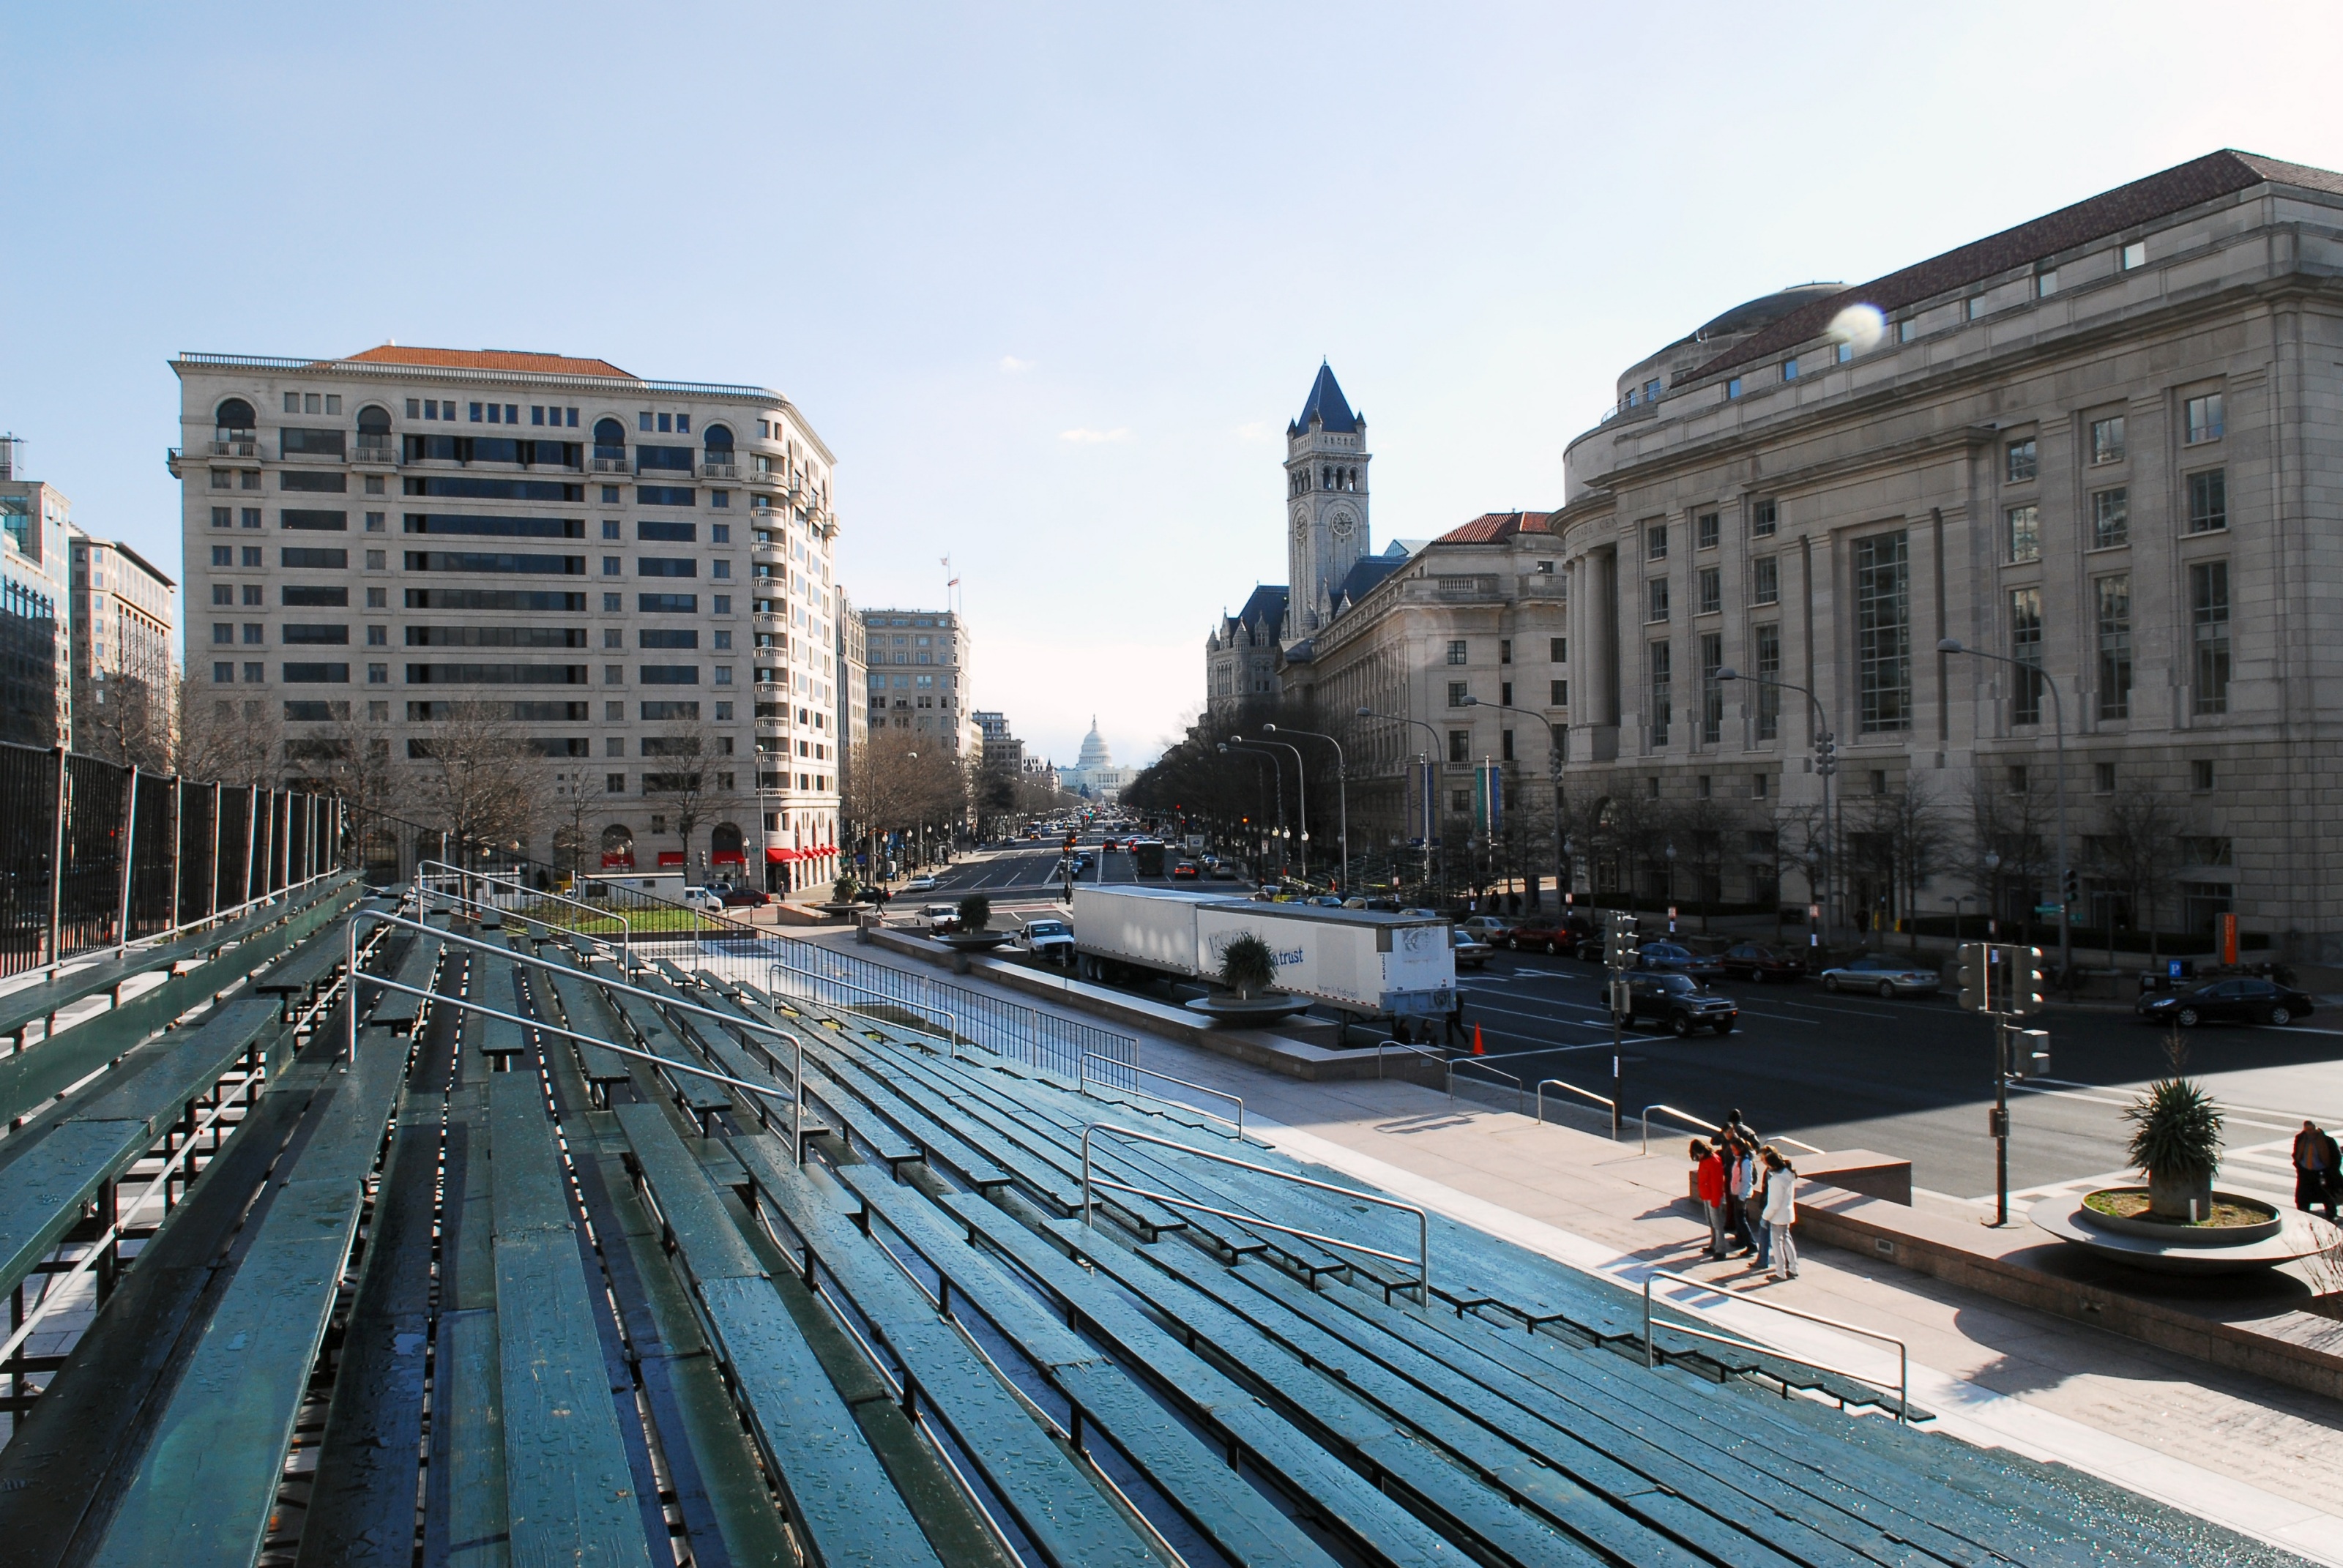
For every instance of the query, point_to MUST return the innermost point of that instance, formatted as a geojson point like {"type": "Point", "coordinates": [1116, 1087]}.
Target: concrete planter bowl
{"type": "Point", "coordinates": [965, 945]}
{"type": "Point", "coordinates": [2164, 1248]}
{"type": "Point", "coordinates": [1233, 1011]}
{"type": "Point", "coordinates": [2184, 1235]}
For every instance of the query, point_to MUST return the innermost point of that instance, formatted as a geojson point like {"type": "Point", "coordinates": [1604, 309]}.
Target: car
{"type": "Point", "coordinates": [1323, 900]}
{"type": "Point", "coordinates": [921, 885]}
{"type": "Point", "coordinates": [2236, 1000]}
{"type": "Point", "coordinates": [1888, 977]}
{"type": "Point", "coordinates": [1050, 939]}
{"type": "Point", "coordinates": [936, 918]}
{"type": "Point", "coordinates": [1471, 952]}
{"type": "Point", "coordinates": [1224, 871]}
{"type": "Point", "coordinates": [1494, 930]}
{"type": "Point", "coordinates": [1678, 1003]}
{"type": "Point", "coordinates": [1185, 870]}
{"type": "Point", "coordinates": [1677, 959]}
{"type": "Point", "coordinates": [745, 898]}
{"type": "Point", "coordinates": [1110, 845]}
{"type": "Point", "coordinates": [1539, 934]}
{"type": "Point", "coordinates": [1756, 961]}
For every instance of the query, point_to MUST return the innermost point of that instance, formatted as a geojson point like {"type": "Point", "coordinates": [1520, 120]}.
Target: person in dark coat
{"type": "Point", "coordinates": [2315, 1176]}
{"type": "Point", "coordinates": [1456, 1017]}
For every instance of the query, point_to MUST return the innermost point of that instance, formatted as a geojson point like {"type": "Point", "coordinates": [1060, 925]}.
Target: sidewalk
{"type": "Point", "coordinates": [2251, 1454]}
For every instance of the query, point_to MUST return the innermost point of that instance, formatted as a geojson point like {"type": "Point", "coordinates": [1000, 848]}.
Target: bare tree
{"type": "Point", "coordinates": [225, 741]}
{"type": "Point", "coordinates": [1701, 829]}
{"type": "Point", "coordinates": [481, 779]}
{"type": "Point", "coordinates": [131, 721]}
{"type": "Point", "coordinates": [1910, 840]}
{"type": "Point", "coordinates": [689, 771]}
{"type": "Point", "coordinates": [2009, 820]}
{"type": "Point", "coordinates": [2136, 849]}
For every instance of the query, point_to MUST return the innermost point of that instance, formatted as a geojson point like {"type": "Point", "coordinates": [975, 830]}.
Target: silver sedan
{"type": "Point", "coordinates": [1882, 976]}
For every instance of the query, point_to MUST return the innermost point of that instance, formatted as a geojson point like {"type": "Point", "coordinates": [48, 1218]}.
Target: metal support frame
{"type": "Point", "coordinates": [57, 869]}
{"type": "Point", "coordinates": [952, 1018]}
{"type": "Point", "coordinates": [1902, 1353]}
{"type": "Point", "coordinates": [734, 1020]}
{"type": "Point", "coordinates": [1609, 1104]}
{"type": "Point", "coordinates": [626, 926]}
{"type": "Point", "coordinates": [129, 859]}
{"type": "Point", "coordinates": [1422, 1284]}
{"type": "Point", "coordinates": [1083, 1084]}
{"type": "Point", "coordinates": [1691, 1120]}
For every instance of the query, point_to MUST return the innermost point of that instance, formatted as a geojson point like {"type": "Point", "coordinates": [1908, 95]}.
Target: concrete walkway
{"type": "Point", "coordinates": [2256, 1456]}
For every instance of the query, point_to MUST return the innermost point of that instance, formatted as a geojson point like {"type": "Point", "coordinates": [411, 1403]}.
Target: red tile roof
{"type": "Point", "coordinates": [490, 359]}
{"type": "Point", "coordinates": [1496, 527]}
{"type": "Point", "coordinates": [2158, 195]}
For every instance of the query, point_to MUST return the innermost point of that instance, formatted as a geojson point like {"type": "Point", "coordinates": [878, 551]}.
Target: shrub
{"type": "Point", "coordinates": [1247, 967]}
{"type": "Point", "coordinates": [975, 912]}
{"type": "Point", "coordinates": [844, 890]}
{"type": "Point", "coordinates": [2176, 1142]}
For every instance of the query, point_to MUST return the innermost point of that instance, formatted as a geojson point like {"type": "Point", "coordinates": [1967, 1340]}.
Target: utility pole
{"type": "Point", "coordinates": [2004, 983]}
{"type": "Point", "coordinates": [1618, 958]}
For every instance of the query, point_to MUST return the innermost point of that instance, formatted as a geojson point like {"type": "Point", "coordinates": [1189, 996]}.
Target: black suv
{"type": "Point", "coordinates": [1679, 1003]}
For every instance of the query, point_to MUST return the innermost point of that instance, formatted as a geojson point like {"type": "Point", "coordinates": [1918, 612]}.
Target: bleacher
{"type": "Point", "coordinates": [580, 1258]}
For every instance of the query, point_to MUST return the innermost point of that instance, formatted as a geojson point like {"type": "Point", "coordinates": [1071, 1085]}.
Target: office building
{"type": "Point", "coordinates": [632, 576]}
{"type": "Point", "coordinates": [918, 677]}
{"type": "Point", "coordinates": [36, 668]}
{"type": "Point", "coordinates": [125, 653]}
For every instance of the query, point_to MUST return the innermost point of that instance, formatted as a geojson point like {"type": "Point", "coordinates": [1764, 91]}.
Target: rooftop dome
{"type": "Point", "coordinates": [1765, 310]}
{"type": "Point", "coordinates": [1095, 752]}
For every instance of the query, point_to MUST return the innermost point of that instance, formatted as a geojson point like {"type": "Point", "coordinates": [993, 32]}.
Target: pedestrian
{"type": "Point", "coordinates": [1709, 1180]}
{"type": "Point", "coordinates": [1781, 1213]}
{"type": "Point", "coordinates": [2316, 1176]}
{"type": "Point", "coordinates": [1759, 1173]}
{"type": "Point", "coordinates": [1456, 1017]}
{"type": "Point", "coordinates": [1735, 1186]}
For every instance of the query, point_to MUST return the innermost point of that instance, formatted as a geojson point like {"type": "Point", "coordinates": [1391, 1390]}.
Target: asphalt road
{"type": "Point", "coordinates": [1911, 1079]}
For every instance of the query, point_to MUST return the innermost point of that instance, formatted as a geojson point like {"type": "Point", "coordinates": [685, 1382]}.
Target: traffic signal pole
{"type": "Point", "coordinates": [2018, 992]}
{"type": "Point", "coordinates": [1618, 956]}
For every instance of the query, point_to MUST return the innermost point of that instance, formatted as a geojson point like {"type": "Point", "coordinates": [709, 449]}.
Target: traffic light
{"type": "Point", "coordinates": [2071, 885]}
{"type": "Point", "coordinates": [1825, 754]}
{"type": "Point", "coordinates": [1619, 939]}
{"type": "Point", "coordinates": [2024, 980]}
{"type": "Point", "coordinates": [1976, 961]}
{"type": "Point", "coordinates": [2029, 1052]}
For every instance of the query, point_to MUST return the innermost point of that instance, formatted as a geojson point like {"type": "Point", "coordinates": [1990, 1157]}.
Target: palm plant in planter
{"type": "Point", "coordinates": [844, 891]}
{"type": "Point", "coordinates": [1247, 967]}
{"type": "Point", "coordinates": [975, 912]}
{"type": "Point", "coordinates": [2176, 1142]}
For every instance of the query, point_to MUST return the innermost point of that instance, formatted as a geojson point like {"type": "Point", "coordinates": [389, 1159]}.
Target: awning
{"type": "Point", "coordinates": [670, 858]}
{"type": "Point", "coordinates": [612, 863]}
{"type": "Point", "coordinates": [729, 857]}
{"type": "Point", "coordinates": [775, 855]}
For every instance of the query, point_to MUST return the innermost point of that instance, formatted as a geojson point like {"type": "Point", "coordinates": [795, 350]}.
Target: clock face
{"type": "Point", "coordinates": [1343, 525]}
{"type": "Point", "coordinates": [1300, 526]}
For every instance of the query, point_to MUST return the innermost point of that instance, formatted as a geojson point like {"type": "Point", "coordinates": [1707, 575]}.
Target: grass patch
{"type": "Point", "coordinates": [2131, 1203]}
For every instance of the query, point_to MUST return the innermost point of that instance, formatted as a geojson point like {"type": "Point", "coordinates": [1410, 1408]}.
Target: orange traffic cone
{"type": "Point", "coordinates": [1476, 1042]}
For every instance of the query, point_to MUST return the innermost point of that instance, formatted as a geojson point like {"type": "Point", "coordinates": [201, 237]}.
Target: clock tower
{"type": "Point", "coordinates": [1325, 504]}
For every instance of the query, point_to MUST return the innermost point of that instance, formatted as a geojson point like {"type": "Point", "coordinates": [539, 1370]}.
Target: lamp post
{"type": "Point", "coordinates": [1238, 743]}
{"type": "Point", "coordinates": [1993, 895]}
{"type": "Point", "coordinates": [1825, 764]}
{"type": "Point", "coordinates": [1668, 852]}
{"type": "Point", "coordinates": [2058, 717]}
{"type": "Point", "coordinates": [1301, 793]}
{"type": "Point", "coordinates": [1342, 790]}
{"type": "Point", "coordinates": [1264, 785]}
{"type": "Point", "coordinates": [1553, 738]}
{"type": "Point", "coordinates": [1430, 753]}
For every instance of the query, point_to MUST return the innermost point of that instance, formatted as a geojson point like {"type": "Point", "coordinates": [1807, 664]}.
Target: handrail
{"type": "Point", "coordinates": [731, 1019]}
{"type": "Point", "coordinates": [1083, 1084]}
{"type": "Point", "coordinates": [1585, 1094]}
{"type": "Point", "coordinates": [1903, 1351]}
{"type": "Point", "coordinates": [626, 926]}
{"type": "Point", "coordinates": [1422, 1259]}
{"type": "Point", "coordinates": [1691, 1120]}
{"type": "Point", "coordinates": [951, 1020]}
{"type": "Point", "coordinates": [624, 958]}
{"type": "Point", "coordinates": [1456, 1061]}
{"type": "Point", "coordinates": [1809, 1148]}
{"type": "Point", "coordinates": [1412, 1050]}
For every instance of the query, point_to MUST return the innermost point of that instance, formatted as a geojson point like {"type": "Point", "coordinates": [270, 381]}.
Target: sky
{"type": "Point", "coordinates": [1049, 280]}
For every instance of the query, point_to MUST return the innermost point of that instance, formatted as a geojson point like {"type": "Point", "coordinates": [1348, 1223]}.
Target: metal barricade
{"type": "Point", "coordinates": [1903, 1384]}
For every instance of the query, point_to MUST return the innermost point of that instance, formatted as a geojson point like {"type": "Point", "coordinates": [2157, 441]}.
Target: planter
{"type": "Point", "coordinates": [1248, 1012]}
{"type": "Point", "coordinates": [2169, 1196]}
{"type": "Point", "coordinates": [2180, 1233]}
{"type": "Point", "coordinates": [964, 944]}
{"type": "Point", "coordinates": [838, 911]}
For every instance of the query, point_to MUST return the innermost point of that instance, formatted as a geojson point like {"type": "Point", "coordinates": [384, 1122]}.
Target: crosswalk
{"type": "Point", "coordinates": [2263, 1171]}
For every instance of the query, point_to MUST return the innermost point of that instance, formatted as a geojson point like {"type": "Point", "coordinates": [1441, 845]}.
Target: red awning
{"type": "Point", "coordinates": [729, 857]}
{"type": "Point", "coordinates": [610, 862]}
{"type": "Point", "coordinates": [670, 858]}
{"type": "Point", "coordinates": [775, 855]}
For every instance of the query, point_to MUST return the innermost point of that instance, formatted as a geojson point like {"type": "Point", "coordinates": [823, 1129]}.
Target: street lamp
{"type": "Point", "coordinates": [1825, 764]}
{"type": "Point", "coordinates": [1264, 784]}
{"type": "Point", "coordinates": [1341, 790]}
{"type": "Point", "coordinates": [1430, 753]}
{"type": "Point", "coordinates": [2058, 717]}
{"type": "Point", "coordinates": [1238, 743]}
{"type": "Point", "coordinates": [1300, 792]}
{"type": "Point", "coordinates": [1553, 738]}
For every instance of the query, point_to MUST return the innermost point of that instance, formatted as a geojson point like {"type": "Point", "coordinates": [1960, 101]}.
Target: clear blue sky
{"type": "Point", "coordinates": [1050, 281]}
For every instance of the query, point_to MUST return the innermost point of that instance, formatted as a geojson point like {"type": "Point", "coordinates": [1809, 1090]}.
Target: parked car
{"type": "Point", "coordinates": [1538, 934]}
{"type": "Point", "coordinates": [921, 885]}
{"type": "Point", "coordinates": [1495, 930]}
{"type": "Point", "coordinates": [1050, 939]}
{"type": "Point", "coordinates": [745, 898]}
{"type": "Point", "coordinates": [1225, 871]}
{"type": "Point", "coordinates": [1185, 870]}
{"type": "Point", "coordinates": [1678, 1003]}
{"type": "Point", "coordinates": [1471, 952]}
{"type": "Point", "coordinates": [1885, 975]}
{"type": "Point", "coordinates": [937, 919]}
{"type": "Point", "coordinates": [1674, 958]}
{"type": "Point", "coordinates": [707, 900]}
{"type": "Point", "coordinates": [2227, 1001]}
{"type": "Point", "coordinates": [1756, 961]}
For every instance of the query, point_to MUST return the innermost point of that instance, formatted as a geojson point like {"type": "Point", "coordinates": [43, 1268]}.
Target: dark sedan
{"type": "Point", "coordinates": [1756, 961]}
{"type": "Point", "coordinates": [1674, 958]}
{"type": "Point", "coordinates": [2228, 1001]}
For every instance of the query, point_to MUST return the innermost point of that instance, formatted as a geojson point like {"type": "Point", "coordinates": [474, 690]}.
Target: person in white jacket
{"type": "Point", "coordinates": [1779, 1213]}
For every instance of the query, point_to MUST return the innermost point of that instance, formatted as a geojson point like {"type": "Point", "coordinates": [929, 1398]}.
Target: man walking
{"type": "Point", "coordinates": [2315, 1172]}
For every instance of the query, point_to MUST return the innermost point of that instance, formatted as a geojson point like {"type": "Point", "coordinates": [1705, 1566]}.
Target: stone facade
{"type": "Point", "coordinates": [1240, 656]}
{"type": "Point", "coordinates": [2105, 444]}
{"type": "Point", "coordinates": [123, 652]}
{"type": "Point", "coordinates": [36, 608]}
{"type": "Point", "coordinates": [920, 676]}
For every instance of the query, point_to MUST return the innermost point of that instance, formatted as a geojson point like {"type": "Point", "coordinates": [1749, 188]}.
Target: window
{"type": "Point", "coordinates": [1766, 580]}
{"type": "Point", "coordinates": [254, 674]}
{"type": "Point", "coordinates": [252, 594]}
{"type": "Point", "coordinates": [1712, 590]}
{"type": "Point", "coordinates": [2110, 519]}
{"type": "Point", "coordinates": [2023, 534]}
{"type": "Point", "coordinates": [1882, 633]}
{"type": "Point", "coordinates": [1763, 517]}
{"type": "Point", "coordinates": [1558, 650]}
{"type": "Point", "coordinates": [2204, 417]}
{"type": "Point", "coordinates": [1456, 694]}
{"type": "Point", "coordinates": [1657, 591]}
{"type": "Point", "coordinates": [223, 516]}
{"type": "Point", "coordinates": [2015, 778]}
{"type": "Point", "coordinates": [1789, 370]}
{"type": "Point", "coordinates": [2020, 460]}
{"type": "Point", "coordinates": [222, 631]}
{"type": "Point", "coordinates": [223, 593]}
{"type": "Point", "coordinates": [2133, 255]}
{"type": "Point", "coordinates": [1651, 391]}
{"type": "Point", "coordinates": [1504, 650]}
{"type": "Point", "coordinates": [1732, 388]}
{"type": "Point", "coordinates": [1906, 330]}
{"type": "Point", "coordinates": [1460, 745]}
{"type": "Point", "coordinates": [1656, 542]}
{"type": "Point", "coordinates": [253, 633]}
{"type": "Point", "coordinates": [1557, 694]}
{"type": "Point", "coordinates": [2200, 774]}
{"type": "Point", "coordinates": [2197, 851]}
{"type": "Point", "coordinates": [377, 598]}
{"type": "Point", "coordinates": [1706, 530]}
{"type": "Point", "coordinates": [1977, 308]}
{"type": "Point", "coordinates": [2114, 607]}
{"type": "Point", "coordinates": [1455, 653]}
{"type": "Point", "coordinates": [249, 555]}
{"type": "Point", "coordinates": [2108, 440]}
{"type": "Point", "coordinates": [1712, 691]}
{"type": "Point", "coordinates": [1768, 643]}
{"type": "Point", "coordinates": [222, 555]}
{"type": "Point", "coordinates": [2102, 778]}
{"type": "Point", "coordinates": [2045, 283]}
{"type": "Point", "coordinates": [2208, 615]}
{"type": "Point", "coordinates": [1662, 691]}
{"type": "Point", "coordinates": [1505, 745]}
{"type": "Point", "coordinates": [2208, 501]}
{"type": "Point", "coordinates": [1842, 353]}
{"type": "Point", "coordinates": [666, 567]}
{"type": "Point", "coordinates": [2026, 648]}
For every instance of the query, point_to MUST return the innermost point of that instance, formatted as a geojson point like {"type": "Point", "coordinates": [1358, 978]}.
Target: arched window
{"type": "Point", "coordinates": [719, 439]}
{"type": "Point", "coordinates": [617, 847]}
{"type": "Point", "coordinates": [236, 413]}
{"type": "Point", "coordinates": [724, 845]}
{"type": "Point", "coordinates": [373, 419]}
{"type": "Point", "coordinates": [609, 433]}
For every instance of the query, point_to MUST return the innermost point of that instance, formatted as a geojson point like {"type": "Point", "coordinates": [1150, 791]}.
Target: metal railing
{"type": "Point", "coordinates": [1421, 1284]}
{"type": "Point", "coordinates": [951, 1024]}
{"type": "Point", "coordinates": [368, 451]}
{"type": "Point", "coordinates": [1902, 1385]}
{"type": "Point", "coordinates": [1605, 1100]}
{"type": "Point", "coordinates": [731, 1019]}
{"type": "Point", "coordinates": [1431, 1056]}
{"type": "Point", "coordinates": [1689, 1120]}
{"type": "Point", "coordinates": [1520, 1091]}
{"type": "Point", "coordinates": [715, 468]}
{"type": "Point", "coordinates": [626, 926]}
{"type": "Point", "coordinates": [1132, 1067]}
